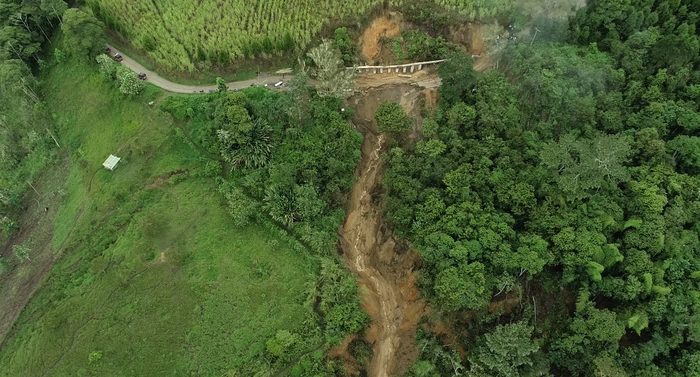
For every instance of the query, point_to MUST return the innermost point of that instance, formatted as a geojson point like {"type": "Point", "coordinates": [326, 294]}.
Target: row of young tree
{"type": "Point", "coordinates": [569, 178]}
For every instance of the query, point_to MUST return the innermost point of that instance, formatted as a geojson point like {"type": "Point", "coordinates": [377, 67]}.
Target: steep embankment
{"type": "Point", "coordinates": [383, 269]}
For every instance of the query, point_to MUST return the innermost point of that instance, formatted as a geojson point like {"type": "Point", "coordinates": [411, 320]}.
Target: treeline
{"type": "Point", "coordinates": [25, 125]}
{"type": "Point", "coordinates": [569, 179]}
{"type": "Point", "coordinates": [28, 141]}
{"type": "Point", "coordinates": [291, 157]}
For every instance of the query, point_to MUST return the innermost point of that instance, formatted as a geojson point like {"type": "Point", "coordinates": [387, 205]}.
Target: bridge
{"type": "Point", "coordinates": [396, 68]}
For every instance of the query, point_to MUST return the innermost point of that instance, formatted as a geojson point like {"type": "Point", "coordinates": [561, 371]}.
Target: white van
{"type": "Point", "coordinates": [279, 84]}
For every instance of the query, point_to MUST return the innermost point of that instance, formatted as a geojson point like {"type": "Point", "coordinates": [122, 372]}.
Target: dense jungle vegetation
{"type": "Point", "coordinates": [25, 128]}
{"type": "Point", "coordinates": [569, 178]}
{"type": "Point", "coordinates": [554, 201]}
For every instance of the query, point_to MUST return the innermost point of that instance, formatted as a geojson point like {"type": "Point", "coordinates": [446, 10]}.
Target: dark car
{"type": "Point", "coordinates": [118, 57]}
{"type": "Point", "coordinates": [107, 50]}
{"type": "Point", "coordinates": [142, 76]}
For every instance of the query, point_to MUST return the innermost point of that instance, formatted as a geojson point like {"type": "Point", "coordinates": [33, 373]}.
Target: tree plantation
{"type": "Point", "coordinates": [179, 34]}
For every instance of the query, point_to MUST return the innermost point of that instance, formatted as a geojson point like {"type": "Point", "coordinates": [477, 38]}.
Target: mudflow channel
{"type": "Point", "coordinates": [385, 277]}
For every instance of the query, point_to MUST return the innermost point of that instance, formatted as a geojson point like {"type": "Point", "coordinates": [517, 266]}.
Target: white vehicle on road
{"type": "Point", "coordinates": [279, 84]}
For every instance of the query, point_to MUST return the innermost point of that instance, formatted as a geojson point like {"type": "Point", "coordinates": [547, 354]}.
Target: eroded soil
{"type": "Point", "coordinates": [373, 38]}
{"type": "Point", "coordinates": [383, 267]}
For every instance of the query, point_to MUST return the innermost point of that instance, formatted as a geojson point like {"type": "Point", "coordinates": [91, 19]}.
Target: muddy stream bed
{"type": "Point", "coordinates": [384, 270]}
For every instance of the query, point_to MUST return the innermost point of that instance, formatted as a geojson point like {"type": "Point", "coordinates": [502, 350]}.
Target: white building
{"type": "Point", "coordinates": [111, 162]}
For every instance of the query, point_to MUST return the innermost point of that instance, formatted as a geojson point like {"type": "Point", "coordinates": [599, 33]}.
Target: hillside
{"type": "Point", "coordinates": [527, 204]}
{"type": "Point", "coordinates": [177, 34]}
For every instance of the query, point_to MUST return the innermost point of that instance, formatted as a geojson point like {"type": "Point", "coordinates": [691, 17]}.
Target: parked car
{"type": "Point", "coordinates": [142, 76]}
{"type": "Point", "coordinates": [279, 84]}
{"type": "Point", "coordinates": [108, 50]}
{"type": "Point", "coordinates": [118, 57]}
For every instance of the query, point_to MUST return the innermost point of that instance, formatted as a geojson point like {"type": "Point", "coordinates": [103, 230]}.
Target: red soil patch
{"type": "Point", "coordinates": [352, 367]}
{"type": "Point", "coordinates": [371, 41]}
{"type": "Point", "coordinates": [477, 46]}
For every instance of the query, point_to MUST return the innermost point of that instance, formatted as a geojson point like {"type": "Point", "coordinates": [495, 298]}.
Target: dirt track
{"type": "Point", "coordinates": [384, 272]}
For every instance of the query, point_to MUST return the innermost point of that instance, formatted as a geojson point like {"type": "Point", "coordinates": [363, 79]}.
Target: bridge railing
{"type": "Point", "coordinates": [396, 68]}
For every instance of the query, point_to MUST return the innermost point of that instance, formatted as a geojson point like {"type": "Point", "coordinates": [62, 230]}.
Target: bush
{"type": "Point", "coordinates": [129, 82]}
{"type": "Point", "coordinates": [345, 45]}
{"type": "Point", "coordinates": [108, 66]}
{"type": "Point", "coordinates": [94, 356]}
{"type": "Point", "coordinates": [21, 252]}
{"type": "Point", "coordinates": [391, 119]}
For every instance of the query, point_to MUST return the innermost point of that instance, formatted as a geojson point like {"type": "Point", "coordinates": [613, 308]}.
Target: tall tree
{"type": "Point", "coordinates": [334, 79]}
{"type": "Point", "coordinates": [458, 78]}
{"type": "Point", "coordinates": [54, 8]}
{"type": "Point", "coordinates": [580, 165]}
{"type": "Point", "coordinates": [508, 352]}
{"type": "Point", "coordinates": [391, 119]}
{"type": "Point", "coordinates": [84, 35]}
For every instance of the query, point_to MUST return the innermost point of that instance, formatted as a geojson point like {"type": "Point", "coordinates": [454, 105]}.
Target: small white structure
{"type": "Point", "coordinates": [111, 162]}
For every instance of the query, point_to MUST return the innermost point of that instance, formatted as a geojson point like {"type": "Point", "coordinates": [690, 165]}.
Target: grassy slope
{"type": "Point", "coordinates": [156, 279]}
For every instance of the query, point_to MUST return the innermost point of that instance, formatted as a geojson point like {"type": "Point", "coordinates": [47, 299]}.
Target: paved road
{"type": "Point", "coordinates": [422, 78]}
{"type": "Point", "coordinates": [158, 81]}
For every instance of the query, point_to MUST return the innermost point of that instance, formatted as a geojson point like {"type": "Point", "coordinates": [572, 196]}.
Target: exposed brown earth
{"type": "Point", "coordinates": [383, 266]}
{"type": "Point", "coordinates": [372, 39]}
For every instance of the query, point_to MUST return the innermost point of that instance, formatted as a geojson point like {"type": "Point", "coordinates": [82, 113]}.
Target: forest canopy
{"type": "Point", "coordinates": [566, 180]}
{"type": "Point", "coordinates": [570, 178]}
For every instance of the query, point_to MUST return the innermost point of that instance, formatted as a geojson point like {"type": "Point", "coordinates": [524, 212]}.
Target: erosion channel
{"type": "Point", "coordinates": [383, 266]}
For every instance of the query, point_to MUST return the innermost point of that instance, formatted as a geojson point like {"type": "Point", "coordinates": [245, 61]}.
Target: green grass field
{"type": "Point", "coordinates": [154, 279]}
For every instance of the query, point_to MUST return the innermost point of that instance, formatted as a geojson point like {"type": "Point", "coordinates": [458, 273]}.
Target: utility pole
{"type": "Point", "coordinates": [54, 139]}
{"type": "Point", "coordinates": [535, 36]}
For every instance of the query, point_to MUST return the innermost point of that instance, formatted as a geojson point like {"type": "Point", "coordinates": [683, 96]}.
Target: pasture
{"type": "Point", "coordinates": [152, 277]}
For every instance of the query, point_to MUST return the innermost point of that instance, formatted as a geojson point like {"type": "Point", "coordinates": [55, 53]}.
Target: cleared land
{"type": "Point", "coordinates": [154, 279]}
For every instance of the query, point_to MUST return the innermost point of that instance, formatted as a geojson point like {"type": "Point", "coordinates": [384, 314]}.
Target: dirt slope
{"type": "Point", "coordinates": [384, 270]}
